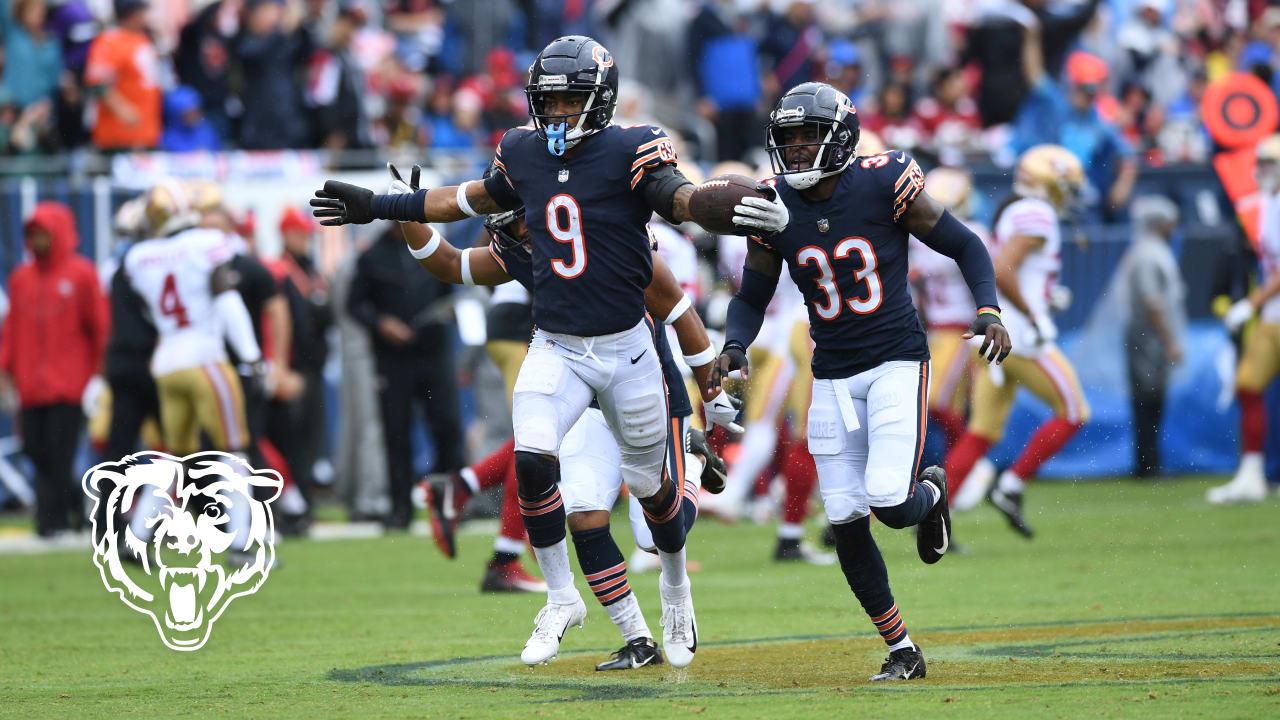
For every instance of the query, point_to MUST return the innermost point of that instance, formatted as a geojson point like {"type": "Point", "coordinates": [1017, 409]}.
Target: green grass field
{"type": "Point", "coordinates": [1135, 600]}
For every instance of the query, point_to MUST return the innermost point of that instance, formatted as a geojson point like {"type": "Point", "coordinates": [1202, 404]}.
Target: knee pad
{"type": "Point", "coordinates": [642, 420]}
{"type": "Point", "coordinates": [535, 474]}
{"type": "Point", "coordinates": [887, 487]}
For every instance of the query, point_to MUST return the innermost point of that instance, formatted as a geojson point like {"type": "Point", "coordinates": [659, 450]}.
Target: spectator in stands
{"type": "Point", "coordinates": [123, 72]}
{"type": "Point", "coordinates": [892, 120]}
{"type": "Point", "coordinates": [402, 123]}
{"type": "Point", "coordinates": [1157, 317]}
{"type": "Point", "coordinates": [336, 86]}
{"type": "Point", "coordinates": [788, 44]}
{"type": "Point", "coordinates": [50, 349]}
{"type": "Point", "coordinates": [185, 127]}
{"type": "Point", "coordinates": [75, 28]}
{"type": "Point", "coordinates": [402, 309]}
{"type": "Point", "coordinates": [947, 119]}
{"type": "Point", "coordinates": [724, 57]}
{"type": "Point", "coordinates": [1150, 53]}
{"type": "Point", "coordinates": [845, 71]}
{"type": "Point", "coordinates": [996, 42]}
{"type": "Point", "coordinates": [271, 51]}
{"type": "Point", "coordinates": [203, 60]}
{"type": "Point", "coordinates": [444, 132]}
{"type": "Point", "coordinates": [33, 56]}
{"type": "Point", "coordinates": [1071, 119]}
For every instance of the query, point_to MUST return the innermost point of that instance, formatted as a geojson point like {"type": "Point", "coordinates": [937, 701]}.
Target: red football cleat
{"type": "Point", "coordinates": [447, 495]}
{"type": "Point", "coordinates": [510, 577]}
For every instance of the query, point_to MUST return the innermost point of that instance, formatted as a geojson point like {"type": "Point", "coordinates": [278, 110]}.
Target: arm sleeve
{"type": "Point", "coordinates": [660, 189]}
{"type": "Point", "coordinates": [951, 238]}
{"type": "Point", "coordinates": [746, 309]}
{"type": "Point", "coordinates": [237, 327]}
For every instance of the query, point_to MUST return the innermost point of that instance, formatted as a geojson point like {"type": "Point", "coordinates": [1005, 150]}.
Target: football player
{"type": "Point", "coordinates": [1260, 356]}
{"type": "Point", "coordinates": [588, 188]}
{"type": "Point", "coordinates": [1047, 181]}
{"type": "Point", "coordinates": [946, 307]}
{"type": "Point", "coordinates": [183, 274]}
{"type": "Point", "coordinates": [840, 224]}
{"type": "Point", "coordinates": [590, 479]}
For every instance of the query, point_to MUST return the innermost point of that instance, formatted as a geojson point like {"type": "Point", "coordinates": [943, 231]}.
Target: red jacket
{"type": "Point", "coordinates": [53, 338]}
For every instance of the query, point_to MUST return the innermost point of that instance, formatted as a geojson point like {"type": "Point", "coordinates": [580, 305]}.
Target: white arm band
{"type": "Point", "coordinates": [700, 359]}
{"type": "Point", "coordinates": [425, 251]}
{"type": "Point", "coordinates": [237, 326]}
{"type": "Point", "coordinates": [466, 267]}
{"type": "Point", "coordinates": [678, 310]}
{"type": "Point", "coordinates": [461, 197]}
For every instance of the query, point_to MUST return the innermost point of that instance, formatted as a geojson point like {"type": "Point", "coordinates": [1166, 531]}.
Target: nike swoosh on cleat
{"type": "Point", "coordinates": [945, 541]}
{"type": "Point", "coordinates": [694, 647]}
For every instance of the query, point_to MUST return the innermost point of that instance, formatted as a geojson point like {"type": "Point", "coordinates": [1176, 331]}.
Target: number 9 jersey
{"type": "Point", "coordinates": [849, 259]}
{"type": "Point", "coordinates": [587, 214]}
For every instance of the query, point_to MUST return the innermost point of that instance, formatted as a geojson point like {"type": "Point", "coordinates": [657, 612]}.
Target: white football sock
{"type": "Point", "coordinates": [1010, 483]}
{"type": "Point", "coordinates": [905, 642]}
{"type": "Point", "coordinates": [469, 478]}
{"type": "Point", "coordinates": [673, 572]}
{"type": "Point", "coordinates": [504, 544]}
{"type": "Point", "coordinates": [790, 531]}
{"type": "Point", "coordinates": [554, 563]}
{"type": "Point", "coordinates": [626, 614]}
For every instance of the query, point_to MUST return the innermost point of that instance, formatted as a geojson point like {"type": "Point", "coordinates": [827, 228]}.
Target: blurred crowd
{"type": "Point", "coordinates": [1115, 80]}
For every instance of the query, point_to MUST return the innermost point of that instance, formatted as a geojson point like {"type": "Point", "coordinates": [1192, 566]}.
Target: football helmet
{"type": "Point", "coordinates": [169, 208]}
{"type": "Point", "coordinates": [1051, 173]}
{"type": "Point", "coordinates": [578, 64]}
{"type": "Point", "coordinates": [1267, 169]}
{"type": "Point", "coordinates": [953, 188]}
{"type": "Point", "coordinates": [827, 110]}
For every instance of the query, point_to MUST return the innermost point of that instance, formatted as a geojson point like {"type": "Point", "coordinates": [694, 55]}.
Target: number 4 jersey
{"type": "Point", "coordinates": [173, 275]}
{"type": "Point", "coordinates": [587, 217]}
{"type": "Point", "coordinates": [848, 256]}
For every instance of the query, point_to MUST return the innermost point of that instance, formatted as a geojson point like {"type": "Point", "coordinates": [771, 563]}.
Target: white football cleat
{"type": "Point", "coordinates": [549, 627]}
{"type": "Point", "coordinates": [976, 486]}
{"type": "Point", "coordinates": [679, 627]}
{"type": "Point", "coordinates": [1248, 486]}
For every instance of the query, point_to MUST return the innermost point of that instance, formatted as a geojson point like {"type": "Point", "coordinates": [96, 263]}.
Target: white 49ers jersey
{"type": "Point", "coordinates": [945, 300]}
{"type": "Point", "coordinates": [1030, 217]}
{"type": "Point", "coordinates": [1269, 251]}
{"type": "Point", "coordinates": [172, 275]}
{"type": "Point", "coordinates": [681, 256]}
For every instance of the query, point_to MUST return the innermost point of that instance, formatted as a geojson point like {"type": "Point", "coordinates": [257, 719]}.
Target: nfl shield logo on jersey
{"type": "Point", "coordinates": [823, 225]}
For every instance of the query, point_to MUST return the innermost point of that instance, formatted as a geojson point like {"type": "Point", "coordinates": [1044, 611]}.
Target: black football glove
{"type": "Point", "coordinates": [732, 357]}
{"type": "Point", "coordinates": [714, 472]}
{"type": "Point", "coordinates": [342, 203]}
{"type": "Point", "coordinates": [995, 338]}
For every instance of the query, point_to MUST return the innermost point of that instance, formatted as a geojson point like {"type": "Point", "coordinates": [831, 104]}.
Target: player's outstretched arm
{"type": "Point", "coordinates": [936, 227]}
{"type": "Point", "coordinates": [340, 203]}
{"type": "Point", "coordinates": [435, 254]}
{"type": "Point", "coordinates": [664, 299]}
{"type": "Point", "coordinates": [746, 311]}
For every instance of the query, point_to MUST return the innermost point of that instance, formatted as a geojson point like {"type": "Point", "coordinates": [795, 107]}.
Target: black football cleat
{"type": "Point", "coordinates": [933, 534]}
{"type": "Point", "coordinates": [510, 577]}
{"type": "Point", "coordinates": [714, 472]}
{"type": "Point", "coordinates": [904, 664]}
{"type": "Point", "coordinates": [799, 551]}
{"type": "Point", "coordinates": [635, 654]}
{"type": "Point", "coordinates": [1010, 505]}
{"type": "Point", "coordinates": [447, 495]}
{"type": "Point", "coordinates": [829, 536]}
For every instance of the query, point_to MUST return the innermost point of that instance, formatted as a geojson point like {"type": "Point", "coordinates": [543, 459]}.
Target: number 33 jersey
{"type": "Point", "coordinates": [172, 275]}
{"type": "Point", "coordinates": [848, 256]}
{"type": "Point", "coordinates": [587, 217]}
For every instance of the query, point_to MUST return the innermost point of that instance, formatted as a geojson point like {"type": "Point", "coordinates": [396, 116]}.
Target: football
{"type": "Point", "coordinates": [712, 202]}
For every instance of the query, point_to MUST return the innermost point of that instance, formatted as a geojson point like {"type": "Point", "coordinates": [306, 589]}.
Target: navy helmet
{"type": "Point", "coordinates": [574, 63]}
{"type": "Point", "coordinates": [831, 113]}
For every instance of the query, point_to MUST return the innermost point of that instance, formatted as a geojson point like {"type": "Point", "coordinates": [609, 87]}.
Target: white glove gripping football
{"type": "Point", "coordinates": [767, 216]}
{"type": "Point", "coordinates": [723, 411]}
{"type": "Point", "coordinates": [1045, 327]}
{"type": "Point", "coordinates": [1238, 314]}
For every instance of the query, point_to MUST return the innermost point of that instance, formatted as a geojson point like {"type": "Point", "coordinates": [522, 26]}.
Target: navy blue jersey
{"type": "Point", "coordinates": [586, 213]}
{"type": "Point", "coordinates": [848, 256]}
{"type": "Point", "coordinates": [519, 266]}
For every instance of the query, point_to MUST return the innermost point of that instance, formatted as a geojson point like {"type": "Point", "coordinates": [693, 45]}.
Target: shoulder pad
{"type": "Point", "coordinates": [899, 174]}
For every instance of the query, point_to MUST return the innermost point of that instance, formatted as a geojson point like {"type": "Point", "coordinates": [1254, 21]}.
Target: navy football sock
{"type": "Point", "coordinates": [540, 505]}
{"type": "Point", "coordinates": [868, 578]}
{"type": "Point", "coordinates": [910, 511]}
{"type": "Point", "coordinates": [662, 515]}
{"type": "Point", "coordinates": [602, 564]}
{"type": "Point", "coordinates": [689, 507]}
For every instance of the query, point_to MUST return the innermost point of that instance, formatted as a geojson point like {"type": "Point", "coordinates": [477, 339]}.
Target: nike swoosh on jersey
{"type": "Point", "coordinates": [902, 157]}
{"type": "Point", "coordinates": [655, 131]}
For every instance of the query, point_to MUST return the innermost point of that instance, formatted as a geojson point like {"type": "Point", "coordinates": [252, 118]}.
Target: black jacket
{"type": "Point", "coordinates": [388, 281]}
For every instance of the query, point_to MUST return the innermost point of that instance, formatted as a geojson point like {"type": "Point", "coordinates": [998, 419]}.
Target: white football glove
{"type": "Point", "coordinates": [723, 411]}
{"type": "Point", "coordinates": [1060, 297]}
{"type": "Point", "coordinates": [767, 216]}
{"type": "Point", "coordinates": [1238, 314]}
{"type": "Point", "coordinates": [1046, 329]}
{"type": "Point", "coordinates": [398, 186]}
